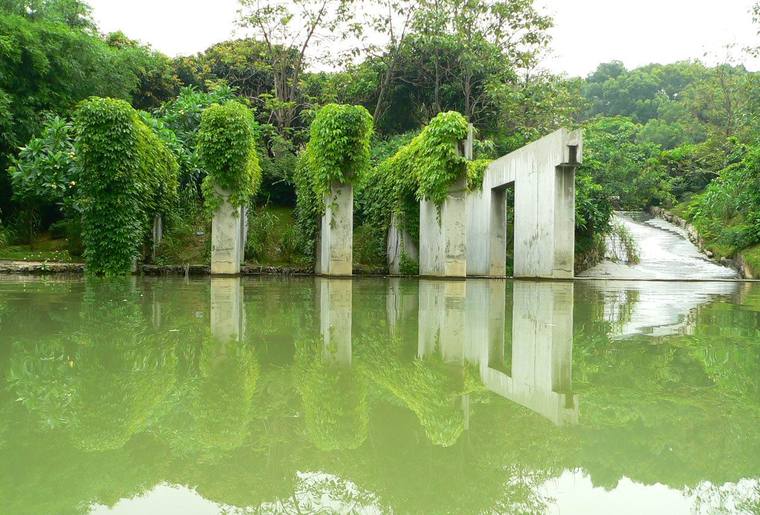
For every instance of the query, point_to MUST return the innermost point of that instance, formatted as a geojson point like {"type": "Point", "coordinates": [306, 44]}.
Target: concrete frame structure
{"type": "Point", "coordinates": [400, 245]}
{"type": "Point", "coordinates": [543, 174]}
{"type": "Point", "coordinates": [336, 237]}
{"type": "Point", "coordinates": [227, 248]}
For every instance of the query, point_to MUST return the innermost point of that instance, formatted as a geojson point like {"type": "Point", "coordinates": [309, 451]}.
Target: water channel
{"type": "Point", "coordinates": [302, 395]}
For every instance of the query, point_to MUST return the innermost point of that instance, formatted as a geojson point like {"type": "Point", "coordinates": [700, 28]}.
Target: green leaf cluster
{"type": "Point", "coordinates": [422, 169]}
{"type": "Point", "coordinates": [339, 148]}
{"type": "Point", "coordinates": [127, 176]}
{"type": "Point", "coordinates": [227, 149]}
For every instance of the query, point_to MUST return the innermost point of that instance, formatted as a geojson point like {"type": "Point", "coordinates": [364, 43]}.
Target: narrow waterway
{"type": "Point", "coordinates": [665, 252]}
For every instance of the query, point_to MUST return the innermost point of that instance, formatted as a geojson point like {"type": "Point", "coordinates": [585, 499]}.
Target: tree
{"type": "Point", "coordinates": [290, 31]}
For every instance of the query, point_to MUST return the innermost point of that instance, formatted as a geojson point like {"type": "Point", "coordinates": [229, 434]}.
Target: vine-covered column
{"type": "Point", "coordinates": [227, 148]}
{"type": "Point", "coordinates": [336, 156]}
{"type": "Point", "coordinates": [128, 177]}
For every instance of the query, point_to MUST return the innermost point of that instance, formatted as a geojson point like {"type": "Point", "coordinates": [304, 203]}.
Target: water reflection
{"type": "Point", "coordinates": [371, 395]}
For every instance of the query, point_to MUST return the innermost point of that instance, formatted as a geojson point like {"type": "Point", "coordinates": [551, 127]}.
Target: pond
{"type": "Point", "coordinates": [296, 395]}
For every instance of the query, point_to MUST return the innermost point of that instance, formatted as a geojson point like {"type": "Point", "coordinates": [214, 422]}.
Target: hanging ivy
{"type": "Point", "coordinates": [227, 150]}
{"type": "Point", "coordinates": [127, 176]}
{"type": "Point", "coordinates": [338, 151]}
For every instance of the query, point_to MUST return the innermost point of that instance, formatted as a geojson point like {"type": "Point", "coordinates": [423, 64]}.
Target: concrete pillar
{"type": "Point", "coordinates": [227, 313]}
{"type": "Point", "coordinates": [400, 245]}
{"type": "Point", "coordinates": [335, 250]}
{"type": "Point", "coordinates": [244, 211]}
{"type": "Point", "coordinates": [158, 233]}
{"type": "Point", "coordinates": [335, 314]}
{"type": "Point", "coordinates": [226, 242]}
{"type": "Point", "coordinates": [443, 234]}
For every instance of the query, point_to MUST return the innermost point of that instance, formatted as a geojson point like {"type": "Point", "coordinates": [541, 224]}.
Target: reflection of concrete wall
{"type": "Point", "coordinates": [542, 351]}
{"type": "Point", "coordinates": [441, 319]}
{"type": "Point", "coordinates": [335, 251]}
{"type": "Point", "coordinates": [544, 211]}
{"type": "Point", "coordinates": [335, 307]}
{"type": "Point", "coordinates": [443, 235]}
{"type": "Point", "coordinates": [401, 303]}
{"type": "Point", "coordinates": [227, 314]}
{"type": "Point", "coordinates": [226, 242]}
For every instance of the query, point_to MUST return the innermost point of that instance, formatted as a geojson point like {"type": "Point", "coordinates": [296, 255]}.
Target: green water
{"type": "Point", "coordinates": [378, 396]}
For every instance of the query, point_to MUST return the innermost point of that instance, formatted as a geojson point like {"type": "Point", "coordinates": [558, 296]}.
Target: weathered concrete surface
{"type": "Point", "coordinates": [443, 234]}
{"type": "Point", "coordinates": [544, 208]}
{"type": "Point", "coordinates": [227, 314]}
{"type": "Point", "coordinates": [226, 242]}
{"type": "Point", "coordinates": [336, 239]}
{"type": "Point", "coordinates": [158, 233]}
{"type": "Point", "coordinates": [335, 316]}
{"type": "Point", "coordinates": [400, 244]}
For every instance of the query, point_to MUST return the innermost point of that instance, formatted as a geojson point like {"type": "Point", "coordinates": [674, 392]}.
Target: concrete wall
{"type": "Point", "coordinates": [335, 246]}
{"type": "Point", "coordinates": [226, 243]}
{"type": "Point", "coordinates": [399, 244]}
{"type": "Point", "coordinates": [544, 238]}
{"type": "Point", "coordinates": [443, 238]}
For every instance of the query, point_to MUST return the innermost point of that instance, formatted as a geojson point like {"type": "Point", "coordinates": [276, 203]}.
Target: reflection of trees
{"type": "Point", "coordinates": [334, 399]}
{"type": "Point", "coordinates": [428, 386]}
{"type": "Point", "coordinates": [125, 402]}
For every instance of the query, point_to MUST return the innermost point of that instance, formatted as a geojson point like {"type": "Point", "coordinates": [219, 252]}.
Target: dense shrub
{"type": "Point", "coordinates": [227, 149]}
{"type": "Point", "coordinates": [728, 212]}
{"type": "Point", "coordinates": [128, 175]}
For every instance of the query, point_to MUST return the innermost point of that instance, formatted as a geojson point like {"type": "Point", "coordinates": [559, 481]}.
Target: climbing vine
{"type": "Point", "coordinates": [338, 151]}
{"type": "Point", "coordinates": [425, 168]}
{"type": "Point", "coordinates": [127, 176]}
{"type": "Point", "coordinates": [226, 146]}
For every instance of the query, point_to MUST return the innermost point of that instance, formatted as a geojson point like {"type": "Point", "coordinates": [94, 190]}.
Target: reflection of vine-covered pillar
{"type": "Point", "coordinates": [542, 349]}
{"type": "Point", "coordinates": [227, 314]}
{"type": "Point", "coordinates": [441, 319]}
{"type": "Point", "coordinates": [401, 304]}
{"type": "Point", "coordinates": [226, 241]}
{"type": "Point", "coordinates": [401, 246]}
{"type": "Point", "coordinates": [336, 237]}
{"type": "Point", "coordinates": [443, 235]}
{"type": "Point", "coordinates": [335, 304]}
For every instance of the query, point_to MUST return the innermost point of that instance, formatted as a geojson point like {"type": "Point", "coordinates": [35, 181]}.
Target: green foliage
{"type": "Point", "coordinates": [227, 149]}
{"type": "Point", "coordinates": [626, 169]}
{"type": "Point", "coordinates": [728, 212]}
{"type": "Point", "coordinates": [45, 170]}
{"type": "Point", "coordinates": [339, 148]}
{"type": "Point", "coordinates": [476, 171]}
{"type": "Point", "coordinates": [128, 175]}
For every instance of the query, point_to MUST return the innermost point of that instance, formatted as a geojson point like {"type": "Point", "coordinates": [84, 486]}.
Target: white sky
{"type": "Point", "coordinates": [586, 33]}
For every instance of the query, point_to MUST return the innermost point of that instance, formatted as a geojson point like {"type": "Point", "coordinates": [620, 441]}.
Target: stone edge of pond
{"type": "Point", "coordinates": [44, 268]}
{"type": "Point", "coordinates": [738, 263]}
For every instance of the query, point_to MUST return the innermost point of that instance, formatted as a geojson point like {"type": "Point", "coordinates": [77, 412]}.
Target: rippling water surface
{"type": "Point", "coordinates": [378, 396]}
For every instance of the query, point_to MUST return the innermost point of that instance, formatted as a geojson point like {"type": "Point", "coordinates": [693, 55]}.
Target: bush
{"type": "Point", "coordinates": [127, 176]}
{"type": "Point", "coordinates": [227, 149]}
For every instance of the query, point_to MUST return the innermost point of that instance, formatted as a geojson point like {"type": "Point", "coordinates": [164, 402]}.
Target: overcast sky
{"type": "Point", "coordinates": [586, 33]}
